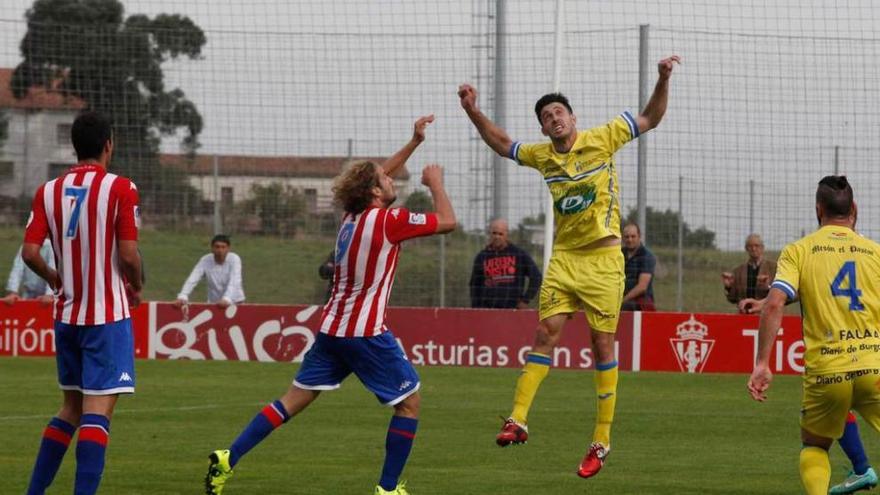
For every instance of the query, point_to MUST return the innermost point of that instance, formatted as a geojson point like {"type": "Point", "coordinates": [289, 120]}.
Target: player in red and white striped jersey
{"type": "Point", "coordinates": [353, 336]}
{"type": "Point", "coordinates": [91, 219]}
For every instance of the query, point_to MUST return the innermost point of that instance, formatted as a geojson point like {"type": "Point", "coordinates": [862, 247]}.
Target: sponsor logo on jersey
{"type": "Point", "coordinates": [418, 219]}
{"type": "Point", "coordinates": [577, 200]}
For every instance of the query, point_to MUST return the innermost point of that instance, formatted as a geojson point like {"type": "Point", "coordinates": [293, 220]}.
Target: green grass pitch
{"type": "Point", "coordinates": [673, 433]}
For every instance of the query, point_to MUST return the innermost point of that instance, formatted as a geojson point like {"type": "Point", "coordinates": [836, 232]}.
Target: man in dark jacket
{"type": "Point", "coordinates": [498, 279]}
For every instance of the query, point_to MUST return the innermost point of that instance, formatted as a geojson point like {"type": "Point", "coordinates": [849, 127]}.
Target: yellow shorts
{"type": "Point", "coordinates": [591, 279]}
{"type": "Point", "coordinates": [828, 398]}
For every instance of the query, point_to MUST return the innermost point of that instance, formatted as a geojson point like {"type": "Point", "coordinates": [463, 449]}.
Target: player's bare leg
{"type": "Point", "coordinates": [538, 361]}
{"type": "Point", "coordinates": [606, 399]}
{"type": "Point", "coordinates": [815, 466]}
{"type": "Point", "coordinates": [398, 444]}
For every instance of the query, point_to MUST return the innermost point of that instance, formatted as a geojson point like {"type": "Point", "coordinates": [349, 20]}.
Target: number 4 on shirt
{"type": "Point", "coordinates": [77, 195]}
{"type": "Point", "coordinates": [848, 271]}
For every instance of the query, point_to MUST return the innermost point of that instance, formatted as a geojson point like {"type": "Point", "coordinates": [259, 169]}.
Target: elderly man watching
{"type": "Point", "coordinates": [751, 279]}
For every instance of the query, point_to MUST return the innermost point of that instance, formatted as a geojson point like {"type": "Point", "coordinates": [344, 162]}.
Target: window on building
{"type": "Point", "coordinates": [311, 196]}
{"type": "Point", "coordinates": [7, 170]}
{"type": "Point", "coordinates": [58, 169]}
{"type": "Point", "coordinates": [62, 133]}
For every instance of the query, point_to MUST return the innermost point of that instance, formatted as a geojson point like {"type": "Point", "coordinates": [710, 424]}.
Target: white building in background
{"type": "Point", "coordinates": [311, 176]}
{"type": "Point", "coordinates": [38, 145]}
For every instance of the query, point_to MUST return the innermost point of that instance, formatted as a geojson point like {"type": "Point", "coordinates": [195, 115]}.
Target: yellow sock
{"type": "Point", "coordinates": [815, 470]}
{"type": "Point", "coordinates": [606, 399]}
{"type": "Point", "coordinates": [533, 373]}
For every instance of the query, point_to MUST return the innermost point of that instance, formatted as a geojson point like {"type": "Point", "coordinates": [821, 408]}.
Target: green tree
{"type": "Point", "coordinates": [662, 229]}
{"type": "Point", "coordinates": [419, 201]}
{"type": "Point", "coordinates": [90, 50]}
{"type": "Point", "coordinates": [280, 209]}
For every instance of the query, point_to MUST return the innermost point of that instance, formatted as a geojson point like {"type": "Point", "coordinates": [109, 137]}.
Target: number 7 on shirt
{"type": "Point", "coordinates": [77, 195]}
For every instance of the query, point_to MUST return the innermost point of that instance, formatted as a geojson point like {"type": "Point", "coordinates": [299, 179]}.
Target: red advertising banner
{"type": "Point", "coordinates": [452, 337]}
{"type": "Point", "coordinates": [689, 343]}
{"type": "Point", "coordinates": [708, 343]}
{"type": "Point", "coordinates": [27, 329]}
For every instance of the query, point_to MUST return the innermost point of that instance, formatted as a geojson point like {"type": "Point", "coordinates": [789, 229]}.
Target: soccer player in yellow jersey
{"type": "Point", "coordinates": [587, 267]}
{"type": "Point", "coordinates": [836, 275]}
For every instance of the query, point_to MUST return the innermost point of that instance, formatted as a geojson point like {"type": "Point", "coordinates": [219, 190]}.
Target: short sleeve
{"type": "Point", "coordinates": [128, 219]}
{"type": "Point", "coordinates": [402, 224]}
{"type": "Point", "coordinates": [649, 262]}
{"type": "Point", "coordinates": [38, 223]}
{"type": "Point", "coordinates": [788, 272]}
{"type": "Point", "coordinates": [524, 154]}
{"type": "Point", "coordinates": [617, 132]}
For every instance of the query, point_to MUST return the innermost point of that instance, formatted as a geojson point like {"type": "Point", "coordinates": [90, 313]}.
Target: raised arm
{"type": "Point", "coordinates": [494, 136]}
{"type": "Point", "coordinates": [653, 112]}
{"type": "Point", "coordinates": [432, 178]}
{"type": "Point", "coordinates": [397, 160]}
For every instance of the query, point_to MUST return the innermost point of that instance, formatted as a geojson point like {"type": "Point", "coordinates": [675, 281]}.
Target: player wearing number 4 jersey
{"type": "Point", "coordinates": [91, 218]}
{"type": "Point", "coordinates": [354, 337]}
{"type": "Point", "coordinates": [836, 275]}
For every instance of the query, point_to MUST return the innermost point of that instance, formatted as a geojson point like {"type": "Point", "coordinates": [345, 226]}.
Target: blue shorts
{"type": "Point", "coordinates": [95, 359]}
{"type": "Point", "coordinates": [377, 361]}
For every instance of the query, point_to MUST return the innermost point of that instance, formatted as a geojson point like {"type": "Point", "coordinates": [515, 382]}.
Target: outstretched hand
{"type": "Point", "coordinates": [664, 67]}
{"type": "Point", "coordinates": [420, 126]}
{"type": "Point", "coordinates": [468, 96]}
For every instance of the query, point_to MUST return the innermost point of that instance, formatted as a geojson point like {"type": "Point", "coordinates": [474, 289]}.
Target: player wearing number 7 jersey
{"type": "Point", "coordinates": [91, 218]}
{"type": "Point", "coordinates": [836, 275]}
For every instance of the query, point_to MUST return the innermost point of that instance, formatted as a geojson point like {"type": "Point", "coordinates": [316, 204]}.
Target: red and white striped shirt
{"type": "Point", "coordinates": [367, 249]}
{"type": "Point", "coordinates": [85, 212]}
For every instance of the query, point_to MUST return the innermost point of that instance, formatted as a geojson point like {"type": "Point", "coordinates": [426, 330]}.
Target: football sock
{"type": "Point", "coordinates": [533, 373]}
{"type": "Point", "coordinates": [815, 470]}
{"type": "Point", "coordinates": [94, 433]}
{"type": "Point", "coordinates": [272, 416]}
{"type": "Point", "coordinates": [56, 438]}
{"type": "Point", "coordinates": [398, 443]}
{"type": "Point", "coordinates": [606, 399]}
{"type": "Point", "coordinates": [851, 444]}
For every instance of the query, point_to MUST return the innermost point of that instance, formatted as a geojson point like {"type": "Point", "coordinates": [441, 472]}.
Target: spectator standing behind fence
{"type": "Point", "coordinates": [222, 272]}
{"type": "Point", "coordinates": [751, 279]}
{"type": "Point", "coordinates": [638, 292]}
{"type": "Point", "coordinates": [23, 283]}
{"type": "Point", "coordinates": [498, 278]}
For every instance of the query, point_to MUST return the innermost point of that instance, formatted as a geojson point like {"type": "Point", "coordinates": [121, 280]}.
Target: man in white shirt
{"type": "Point", "coordinates": [222, 272]}
{"type": "Point", "coordinates": [23, 283]}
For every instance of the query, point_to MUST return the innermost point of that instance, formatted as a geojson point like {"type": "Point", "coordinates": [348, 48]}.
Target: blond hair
{"type": "Point", "coordinates": [353, 189]}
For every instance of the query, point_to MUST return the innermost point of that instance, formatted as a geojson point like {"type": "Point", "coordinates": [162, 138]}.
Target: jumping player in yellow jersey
{"type": "Point", "coordinates": [587, 267]}
{"type": "Point", "coordinates": [836, 275]}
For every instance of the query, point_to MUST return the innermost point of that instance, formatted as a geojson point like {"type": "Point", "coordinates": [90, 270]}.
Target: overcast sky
{"type": "Point", "coordinates": [765, 92]}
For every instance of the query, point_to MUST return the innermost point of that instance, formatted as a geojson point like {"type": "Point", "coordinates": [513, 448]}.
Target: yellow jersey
{"type": "Point", "coordinates": [582, 182]}
{"type": "Point", "coordinates": [835, 272]}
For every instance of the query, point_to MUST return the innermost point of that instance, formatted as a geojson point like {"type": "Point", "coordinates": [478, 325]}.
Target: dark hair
{"type": "Point", "coordinates": [551, 98]}
{"type": "Point", "coordinates": [353, 189]}
{"type": "Point", "coordinates": [89, 133]}
{"type": "Point", "coordinates": [835, 195]}
{"type": "Point", "coordinates": [631, 224]}
{"type": "Point", "coordinates": [221, 238]}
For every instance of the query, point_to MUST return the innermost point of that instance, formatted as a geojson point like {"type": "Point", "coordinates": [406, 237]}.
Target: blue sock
{"type": "Point", "coordinates": [94, 433]}
{"type": "Point", "coordinates": [852, 446]}
{"type": "Point", "coordinates": [272, 416]}
{"type": "Point", "coordinates": [398, 443]}
{"type": "Point", "coordinates": [56, 438]}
